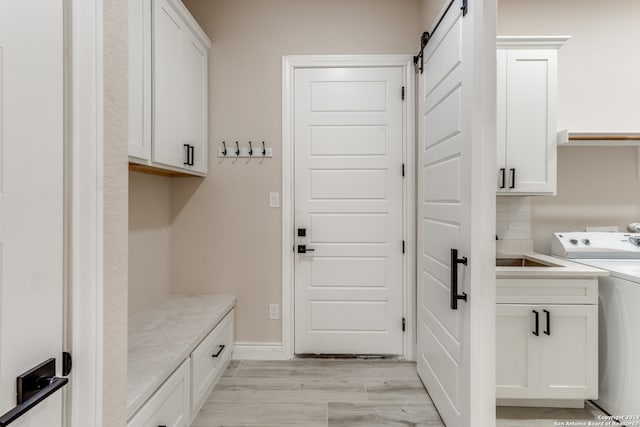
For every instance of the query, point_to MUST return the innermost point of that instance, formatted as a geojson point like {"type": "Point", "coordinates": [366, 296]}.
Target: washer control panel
{"type": "Point", "coordinates": [596, 245]}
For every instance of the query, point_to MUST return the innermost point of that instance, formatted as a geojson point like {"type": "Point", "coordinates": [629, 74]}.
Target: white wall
{"type": "Point", "coordinates": [596, 187]}
{"type": "Point", "coordinates": [149, 239]}
{"type": "Point", "coordinates": [114, 396]}
{"type": "Point", "coordinates": [598, 89]}
{"type": "Point", "coordinates": [598, 85]}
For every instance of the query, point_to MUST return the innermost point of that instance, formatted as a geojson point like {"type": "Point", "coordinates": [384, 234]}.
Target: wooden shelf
{"type": "Point", "coordinates": [136, 167]}
{"type": "Point", "coordinates": [598, 139]}
{"type": "Point", "coordinates": [601, 139]}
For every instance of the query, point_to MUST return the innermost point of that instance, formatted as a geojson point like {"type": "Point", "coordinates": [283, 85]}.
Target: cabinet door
{"type": "Point", "coordinates": [501, 117]}
{"type": "Point", "coordinates": [569, 352]}
{"type": "Point", "coordinates": [516, 351]}
{"type": "Point", "coordinates": [140, 79]}
{"type": "Point", "coordinates": [169, 405]}
{"type": "Point", "coordinates": [168, 50]}
{"type": "Point", "coordinates": [530, 120]}
{"type": "Point", "coordinates": [194, 112]}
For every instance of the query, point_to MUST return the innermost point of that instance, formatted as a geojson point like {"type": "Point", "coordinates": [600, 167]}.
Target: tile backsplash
{"type": "Point", "coordinates": [513, 217]}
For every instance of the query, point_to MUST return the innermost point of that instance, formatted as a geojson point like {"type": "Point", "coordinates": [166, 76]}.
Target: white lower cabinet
{"type": "Point", "coordinates": [209, 360]}
{"type": "Point", "coordinates": [169, 405]}
{"type": "Point", "coordinates": [178, 400]}
{"type": "Point", "coordinates": [546, 351]}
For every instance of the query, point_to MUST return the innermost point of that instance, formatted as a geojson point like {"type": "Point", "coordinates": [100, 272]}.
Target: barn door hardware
{"type": "Point", "coordinates": [455, 296]}
{"type": "Point", "coordinates": [426, 36]}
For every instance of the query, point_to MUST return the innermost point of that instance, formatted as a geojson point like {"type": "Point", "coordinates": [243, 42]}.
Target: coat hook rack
{"type": "Point", "coordinates": [246, 151]}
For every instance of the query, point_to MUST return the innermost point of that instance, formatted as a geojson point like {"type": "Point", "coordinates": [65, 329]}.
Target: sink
{"type": "Point", "coordinates": [521, 262]}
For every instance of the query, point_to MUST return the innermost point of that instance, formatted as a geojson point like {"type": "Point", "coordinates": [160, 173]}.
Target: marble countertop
{"type": "Point", "coordinates": [161, 337]}
{"type": "Point", "coordinates": [561, 268]}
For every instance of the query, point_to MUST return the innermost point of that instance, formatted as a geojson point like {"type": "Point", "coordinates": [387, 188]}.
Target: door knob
{"type": "Point", "coordinates": [33, 387]}
{"type": "Point", "coordinates": [303, 249]}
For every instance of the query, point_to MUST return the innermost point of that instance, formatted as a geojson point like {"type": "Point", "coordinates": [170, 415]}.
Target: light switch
{"type": "Point", "coordinates": [274, 200]}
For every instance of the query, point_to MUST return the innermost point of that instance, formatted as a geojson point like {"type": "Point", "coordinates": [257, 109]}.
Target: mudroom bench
{"type": "Point", "coordinates": [177, 351]}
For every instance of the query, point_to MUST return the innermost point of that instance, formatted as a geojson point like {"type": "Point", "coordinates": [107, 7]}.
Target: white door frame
{"type": "Point", "coordinates": [289, 65]}
{"type": "Point", "coordinates": [84, 209]}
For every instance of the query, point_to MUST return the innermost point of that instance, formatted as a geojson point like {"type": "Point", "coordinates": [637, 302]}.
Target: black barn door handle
{"type": "Point", "coordinates": [454, 279]}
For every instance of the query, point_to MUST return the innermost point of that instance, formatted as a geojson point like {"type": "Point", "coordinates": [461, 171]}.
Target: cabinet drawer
{"type": "Point", "coordinates": [169, 405]}
{"type": "Point", "coordinates": [209, 360]}
{"type": "Point", "coordinates": [547, 291]}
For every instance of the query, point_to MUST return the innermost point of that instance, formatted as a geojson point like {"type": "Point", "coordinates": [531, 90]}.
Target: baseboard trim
{"type": "Point", "coordinates": [257, 351]}
{"type": "Point", "coordinates": [543, 403]}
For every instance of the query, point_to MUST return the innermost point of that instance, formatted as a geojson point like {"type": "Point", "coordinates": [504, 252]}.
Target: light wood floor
{"type": "Point", "coordinates": [341, 393]}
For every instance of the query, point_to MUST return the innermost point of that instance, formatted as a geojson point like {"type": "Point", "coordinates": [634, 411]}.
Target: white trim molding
{"type": "Point", "coordinates": [289, 65]}
{"type": "Point", "coordinates": [257, 351]}
{"type": "Point", "coordinates": [84, 199]}
{"type": "Point", "coordinates": [531, 42]}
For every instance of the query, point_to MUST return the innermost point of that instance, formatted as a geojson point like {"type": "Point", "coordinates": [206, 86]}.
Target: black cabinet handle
{"type": "Point", "coordinates": [33, 387]}
{"type": "Point", "coordinates": [192, 150]}
{"type": "Point", "coordinates": [220, 348]}
{"type": "Point", "coordinates": [454, 279]}
{"type": "Point", "coordinates": [186, 152]}
{"type": "Point", "coordinates": [503, 177]}
{"type": "Point", "coordinates": [513, 177]}
{"type": "Point", "coordinates": [536, 332]}
{"type": "Point", "coordinates": [547, 331]}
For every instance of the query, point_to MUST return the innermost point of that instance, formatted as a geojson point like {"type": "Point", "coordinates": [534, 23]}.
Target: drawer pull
{"type": "Point", "coordinates": [221, 347]}
{"type": "Point", "coordinates": [537, 317]}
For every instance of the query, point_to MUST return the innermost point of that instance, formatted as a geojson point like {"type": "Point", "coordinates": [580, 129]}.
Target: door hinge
{"type": "Point", "coordinates": [403, 246]}
{"type": "Point", "coordinates": [404, 324]}
{"type": "Point", "coordinates": [403, 169]}
{"type": "Point", "coordinates": [67, 363]}
{"type": "Point", "coordinates": [403, 93]}
{"type": "Point", "coordinates": [464, 7]}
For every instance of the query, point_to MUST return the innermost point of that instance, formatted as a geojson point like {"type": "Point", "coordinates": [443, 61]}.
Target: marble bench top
{"type": "Point", "coordinates": [161, 337]}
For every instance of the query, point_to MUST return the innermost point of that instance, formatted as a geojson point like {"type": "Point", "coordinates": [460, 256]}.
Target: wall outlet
{"type": "Point", "coordinates": [274, 311]}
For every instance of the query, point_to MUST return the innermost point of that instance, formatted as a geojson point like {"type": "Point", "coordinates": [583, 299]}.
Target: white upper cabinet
{"type": "Point", "coordinates": [169, 96]}
{"type": "Point", "coordinates": [526, 114]}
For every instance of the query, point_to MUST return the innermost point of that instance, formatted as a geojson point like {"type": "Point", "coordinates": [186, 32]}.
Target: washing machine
{"type": "Point", "coordinates": [619, 313]}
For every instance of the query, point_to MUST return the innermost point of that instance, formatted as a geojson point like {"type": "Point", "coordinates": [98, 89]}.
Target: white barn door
{"type": "Point", "coordinates": [456, 211]}
{"type": "Point", "coordinates": [31, 206]}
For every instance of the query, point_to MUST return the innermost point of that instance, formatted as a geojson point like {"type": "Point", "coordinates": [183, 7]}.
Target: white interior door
{"type": "Point", "coordinates": [456, 210]}
{"type": "Point", "coordinates": [348, 144]}
{"type": "Point", "coordinates": [31, 198]}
